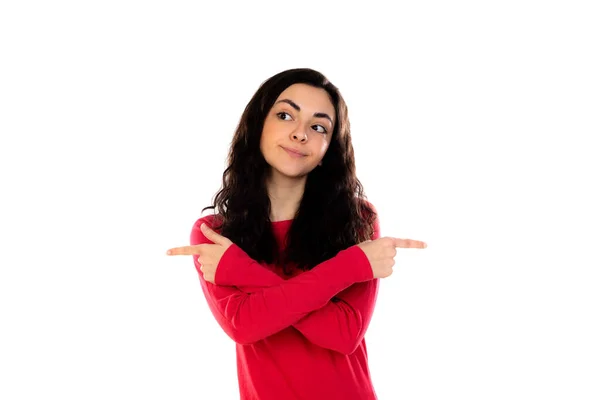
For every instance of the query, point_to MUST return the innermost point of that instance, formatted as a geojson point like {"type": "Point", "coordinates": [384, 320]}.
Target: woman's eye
{"type": "Point", "coordinates": [282, 115]}
{"type": "Point", "coordinates": [323, 130]}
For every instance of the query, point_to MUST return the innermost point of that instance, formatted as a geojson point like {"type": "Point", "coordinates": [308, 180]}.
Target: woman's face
{"type": "Point", "coordinates": [301, 120]}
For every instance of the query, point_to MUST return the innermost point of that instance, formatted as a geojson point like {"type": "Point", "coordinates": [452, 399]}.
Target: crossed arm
{"type": "Point", "coordinates": [331, 305]}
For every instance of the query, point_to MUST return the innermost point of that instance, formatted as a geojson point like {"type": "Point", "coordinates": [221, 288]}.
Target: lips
{"type": "Point", "coordinates": [293, 153]}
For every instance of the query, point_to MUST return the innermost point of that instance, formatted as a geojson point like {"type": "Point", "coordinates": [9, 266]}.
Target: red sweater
{"type": "Point", "coordinates": [300, 337]}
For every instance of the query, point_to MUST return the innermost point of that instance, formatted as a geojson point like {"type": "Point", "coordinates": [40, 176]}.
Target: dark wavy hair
{"type": "Point", "coordinates": [333, 213]}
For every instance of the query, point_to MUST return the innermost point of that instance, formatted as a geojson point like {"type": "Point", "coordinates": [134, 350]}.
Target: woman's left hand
{"type": "Point", "coordinates": [209, 255]}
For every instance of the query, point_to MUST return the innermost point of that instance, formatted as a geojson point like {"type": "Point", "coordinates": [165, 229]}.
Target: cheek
{"type": "Point", "coordinates": [268, 130]}
{"type": "Point", "coordinates": [264, 136]}
{"type": "Point", "coordinates": [323, 146]}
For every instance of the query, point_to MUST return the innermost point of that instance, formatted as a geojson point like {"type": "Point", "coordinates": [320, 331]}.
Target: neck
{"type": "Point", "coordinates": [285, 194]}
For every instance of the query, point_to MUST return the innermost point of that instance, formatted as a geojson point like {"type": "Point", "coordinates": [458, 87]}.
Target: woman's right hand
{"type": "Point", "coordinates": [381, 253]}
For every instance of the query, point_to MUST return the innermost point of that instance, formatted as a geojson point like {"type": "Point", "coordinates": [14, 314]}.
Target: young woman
{"type": "Point", "coordinates": [292, 274]}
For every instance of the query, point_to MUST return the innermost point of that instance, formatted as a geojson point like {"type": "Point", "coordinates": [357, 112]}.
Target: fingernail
{"type": "Point", "coordinates": [168, 252]}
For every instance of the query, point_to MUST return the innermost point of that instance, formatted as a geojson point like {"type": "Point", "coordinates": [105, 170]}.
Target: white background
{"type": "Point", "coordinates": [475, 126]}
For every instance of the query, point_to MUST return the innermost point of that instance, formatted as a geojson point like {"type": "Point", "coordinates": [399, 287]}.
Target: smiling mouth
{"type": "Point", "coordinates": [293, 153]}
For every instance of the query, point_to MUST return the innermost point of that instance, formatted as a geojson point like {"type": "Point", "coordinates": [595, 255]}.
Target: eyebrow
{"type": "Point", "coordinates": [297, 107]}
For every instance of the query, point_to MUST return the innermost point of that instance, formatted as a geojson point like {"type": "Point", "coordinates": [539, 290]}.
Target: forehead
{"type": "Point", "coordinates": [309, 98]}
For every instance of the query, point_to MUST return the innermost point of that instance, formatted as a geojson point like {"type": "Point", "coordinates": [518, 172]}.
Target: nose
{"type": "Point", "coordinates": [299, 135]}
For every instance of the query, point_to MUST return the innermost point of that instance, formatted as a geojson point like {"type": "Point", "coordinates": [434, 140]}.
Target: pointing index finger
{"type": "Point", "coordinates": [184, 251]}
{"type": "Point", "coordinates": [409, 243]}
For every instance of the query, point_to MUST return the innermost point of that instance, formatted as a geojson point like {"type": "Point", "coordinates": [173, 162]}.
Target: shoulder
{"type": "Point", "coordinates": [369, 209]}
{"type": "Point", "coordinates": [196, 236]}
{"type": "Point", "coordinates": [211, 220]}
{"type": "Point", "coordinates": [368, 204]}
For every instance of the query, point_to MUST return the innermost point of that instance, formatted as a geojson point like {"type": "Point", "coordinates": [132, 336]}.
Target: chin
{"type": "Point", "coordinates": [291, 172]}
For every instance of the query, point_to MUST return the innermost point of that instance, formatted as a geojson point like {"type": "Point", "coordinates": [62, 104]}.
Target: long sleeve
{"type": "Point", "coordinates": [251, 315]}
{"type": "Point", "coordinates": [340, 325]}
